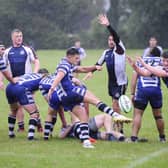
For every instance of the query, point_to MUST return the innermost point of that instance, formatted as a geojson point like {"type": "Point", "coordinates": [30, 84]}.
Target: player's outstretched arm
{"type": "Point", "coordinates": [103, 20]}
{"type": "Point", "coordinates": [158, 71]}
{"type": "Point", "coordinates": [86, 69]}
{"type": "Point", "coordinates": [140, 71]}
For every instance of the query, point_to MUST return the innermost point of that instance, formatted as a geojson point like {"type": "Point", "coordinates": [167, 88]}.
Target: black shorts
{"type": "Point", "coordinates": [116, 91]}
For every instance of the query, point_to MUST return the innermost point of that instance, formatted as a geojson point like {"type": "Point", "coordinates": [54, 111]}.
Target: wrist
{"type": "Point", "coordinates": [52, 88]}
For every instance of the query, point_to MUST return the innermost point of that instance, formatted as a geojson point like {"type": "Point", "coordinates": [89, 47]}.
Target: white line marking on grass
{"type": "Point", "coordinates": [147, 158]}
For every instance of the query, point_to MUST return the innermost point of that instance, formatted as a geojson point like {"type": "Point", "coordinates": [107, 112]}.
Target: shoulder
{"type": "Point", "coordinates": [30, 50]}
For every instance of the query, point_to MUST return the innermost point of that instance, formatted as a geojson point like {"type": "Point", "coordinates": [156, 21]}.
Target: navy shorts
{"type": "Point", "coordinates": [116, 91]}
{"type": "Point", "coordinates": [54, 101]}
{"type": "Point", "coordinates": [17, 93]}
{"type": "Point", "coordinates": [73, 98]}
{"type": "Point", "coordinates": [153, 95]}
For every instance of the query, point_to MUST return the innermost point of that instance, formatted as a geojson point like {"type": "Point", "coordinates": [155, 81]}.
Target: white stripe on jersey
{"type": "Point", "coordinates": [29, 77]}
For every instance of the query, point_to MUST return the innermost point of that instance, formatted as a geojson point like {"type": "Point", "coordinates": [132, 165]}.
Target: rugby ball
{"type": "Point", "coordinates": [125, 103]}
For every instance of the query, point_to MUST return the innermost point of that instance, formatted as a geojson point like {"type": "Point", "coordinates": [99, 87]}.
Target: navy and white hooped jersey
{"type": "Point", "coordinates": [68, 69]}
{"type": "Point", "coordinates": [30, 81]}
{"type": "Point", "coordinates": [116, 65]}
{"type": "Point", "coordinates": [19, 59]}
{"type": "Point", "coordinates": [3, 65]}
{"type": "Point", "coordinates": [152, 81]}
{"type": "Point", "coordinates": [46, 83]}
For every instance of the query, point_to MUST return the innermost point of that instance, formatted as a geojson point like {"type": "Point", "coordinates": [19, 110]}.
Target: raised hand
{"type": "Point", "coordinates": [103, 20]}
{"type": "Point", "coordinates": [130, 61]}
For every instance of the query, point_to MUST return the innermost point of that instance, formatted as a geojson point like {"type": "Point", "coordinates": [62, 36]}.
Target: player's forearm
{"type": "Point", "coordinates": [36, 65]}
{"type": "Point", "coordinates": [57, 80]}
{"type": "Point", "coordinates": [85, 69]}
{"type": "Point", "coordinates": [114, 34]}
{"type": "Point", "coordinates": [8, 76]}
{"type": "Point", "coordinates": [156, 71]}
{"type": "Point", "coordinates": [133, 83]}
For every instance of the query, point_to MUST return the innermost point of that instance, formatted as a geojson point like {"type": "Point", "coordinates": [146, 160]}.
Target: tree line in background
{"type": "Point", "coordinates": [49, 24]}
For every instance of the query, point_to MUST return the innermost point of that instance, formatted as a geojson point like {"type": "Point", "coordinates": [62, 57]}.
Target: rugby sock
{"type": "Point", "coordinates": [162, 138]}
{"type": "Point", "coordinates": [110, 137]}
{"type": "Point", "coordinates": [84, 131]}
{"type": "Point", "coordinates": [104, 108]}
{"type": "Point", "coordinates": [47, 129]}
{"type": "Point", "coordinates": [32, 126]}
{"type": "Point", "coordinates": [121, 138]}
{"type": "Point", "coordinates": [134, 138]}
{"type": "Point", "coordinates": [11, 125]}
{"type": "Point", "coordinates": [39, 125]}
{"type": "Point", "coordinates": [21, 126]}
{"type": "Point", "coordinates": [54, 120]}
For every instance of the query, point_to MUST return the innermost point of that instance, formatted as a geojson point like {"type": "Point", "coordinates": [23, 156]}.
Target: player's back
{"type": "Point", "coordinates": [30, 81]}
{"type": "Point", "coordinates": [151, 81]}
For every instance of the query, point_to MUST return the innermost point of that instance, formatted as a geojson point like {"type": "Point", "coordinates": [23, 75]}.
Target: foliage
{"type": "Point", "coordinates": [57, 23]}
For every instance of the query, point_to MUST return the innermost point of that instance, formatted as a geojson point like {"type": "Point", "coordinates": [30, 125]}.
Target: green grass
{"type": "Point", "coordinates": [18, 152]}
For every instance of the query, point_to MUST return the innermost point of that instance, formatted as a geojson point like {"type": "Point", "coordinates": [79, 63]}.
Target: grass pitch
{"type": "Point", "coordinates": [68, 153]}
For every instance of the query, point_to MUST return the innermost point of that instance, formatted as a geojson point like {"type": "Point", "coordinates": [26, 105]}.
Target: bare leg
{"type": "Point", "coordinates": [137, 119]}
{"type": "Point", "coordinates": [159, 122]}
{"type": "Point", "coordinates": [20, 119]}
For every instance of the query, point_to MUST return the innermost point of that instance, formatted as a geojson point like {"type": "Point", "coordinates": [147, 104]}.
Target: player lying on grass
{"type": "Point", "coordinates": [22, 94]}
{"type": "Point", "coordinates": [148, 90]}
{"type": "Point", "coordinates": [95, 123]}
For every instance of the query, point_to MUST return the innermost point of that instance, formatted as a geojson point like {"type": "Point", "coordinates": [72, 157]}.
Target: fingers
{"type": "Point", "coordinates": [88, 76]}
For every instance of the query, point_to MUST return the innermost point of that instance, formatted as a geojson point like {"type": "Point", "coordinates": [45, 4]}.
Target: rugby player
{"type": "Point", "coordinates": [22, 94]}
{"type": "Point", "coordinates": [115, 60]}
{"type": "Point", "coordinates": [20, 58]}
{"type": "Point", "coordinates": [146, 90]}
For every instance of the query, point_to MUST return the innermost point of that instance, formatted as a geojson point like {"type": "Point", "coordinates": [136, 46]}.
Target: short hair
{"type": "Point", "coordinates": [72, 51]}
{"type": "Point", "coordinates": [153, 37]}
{"type": "Point", "coordinates": [43, 71]}
{"type": "Point", "coordinates": [165, 54]}
{"type": "Point", "coordinates": [155, 52]}
{"type": "Point", "coordinates": [16, 31]}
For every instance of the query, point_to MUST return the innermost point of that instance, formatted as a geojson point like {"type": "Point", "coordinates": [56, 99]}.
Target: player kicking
{"type": "Point", "coordinates": [72, 94]}
{"type": "Point", "coordinates": [22, 93]}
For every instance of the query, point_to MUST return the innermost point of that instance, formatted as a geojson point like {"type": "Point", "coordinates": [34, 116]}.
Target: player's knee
{"type": "Point", "coordinates": [34, 114]}
{"type": "Point", "coordinates": [158, 117]}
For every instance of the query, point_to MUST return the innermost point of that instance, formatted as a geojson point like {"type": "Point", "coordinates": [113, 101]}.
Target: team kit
{"type": "Point", "coordinates": [64, 92]}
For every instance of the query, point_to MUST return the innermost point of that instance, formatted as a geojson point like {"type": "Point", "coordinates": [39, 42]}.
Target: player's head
{"type": "Point", "coordinates": [2, 48]}
{"type": "Point", "coordinates": [152, 42]}
{"type": "Point", "coordinates": [77, 44]}
{"type": "Point", "coordinates": [72, 55]}
{"type": "Point", "coordinates": [17, 37]}
{"type": "Point", "coordinates": [111, 42]}
{"type": "Point", "coordinates": [155, 52]}
{"type": "Point", "coordinates": [43, 71]}
{"type": "Point", "coordinates": [165, 59]}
